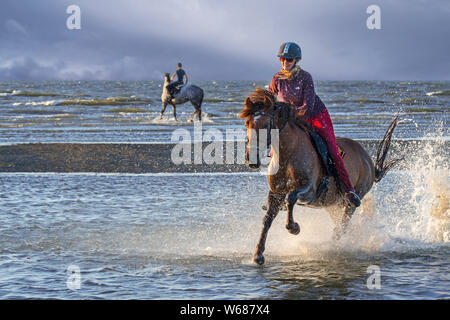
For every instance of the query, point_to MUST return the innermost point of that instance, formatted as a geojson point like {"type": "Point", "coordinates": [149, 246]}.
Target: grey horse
{"type": "Point", "coordinates": [187, 93]}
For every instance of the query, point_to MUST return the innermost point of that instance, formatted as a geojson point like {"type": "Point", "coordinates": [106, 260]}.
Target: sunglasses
{"type": "Point", "coordinates": [287, 60]}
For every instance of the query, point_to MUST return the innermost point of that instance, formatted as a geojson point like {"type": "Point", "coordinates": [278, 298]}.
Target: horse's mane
{"type": "Point", "coordinates": [258, 100]}
{"type": "Point", "coordinates": [264, 100]}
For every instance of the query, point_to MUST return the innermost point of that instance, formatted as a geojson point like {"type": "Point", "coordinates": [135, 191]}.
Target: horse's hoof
{"type": "Point", "coordinates": [294, 229]}
{"type": "Point", "coordinates": [258, 259]}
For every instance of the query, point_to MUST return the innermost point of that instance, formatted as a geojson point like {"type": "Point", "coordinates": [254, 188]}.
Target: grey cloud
{"type": "Point", "coordinates": [27, 68]}
{"type": "Point", "coordinates": [223, 39]}
{"type": "Point", "coordinates": [15, 28]}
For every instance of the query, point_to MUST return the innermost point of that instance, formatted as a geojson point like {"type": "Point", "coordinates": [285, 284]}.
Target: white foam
{"type": "Point", "coordinates": [35, 103]}
{"type": "Point", "coordinates": [434, 93]}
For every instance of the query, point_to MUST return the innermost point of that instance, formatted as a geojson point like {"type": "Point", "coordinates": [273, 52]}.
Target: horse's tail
{"type": "Point", "coordinates": [380, 168]}
{"type": "Point", "coordinates": [201, 98]}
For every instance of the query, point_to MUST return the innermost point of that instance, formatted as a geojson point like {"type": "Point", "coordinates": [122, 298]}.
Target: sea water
{"type": "Point", "coordinates": [192, 236]}
{"type": "Point", "coordinates": [126, 111]}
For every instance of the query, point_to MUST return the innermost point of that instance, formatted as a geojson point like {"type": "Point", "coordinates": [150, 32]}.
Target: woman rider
{"type": "Point", "coordinates": [295, 86]}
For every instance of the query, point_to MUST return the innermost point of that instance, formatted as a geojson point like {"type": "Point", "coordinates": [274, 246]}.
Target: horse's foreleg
{"type": "Point", "coordinates": [274, 202]}
{"type": "Point", "coordinates": [163, 108]}
{"type": "Point", "coordinates": [174, 110]}
{"type": "Point", "coordinates": [291, 225]}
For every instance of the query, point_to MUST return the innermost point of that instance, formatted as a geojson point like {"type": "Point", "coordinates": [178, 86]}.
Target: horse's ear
{"type": "Point", "coordinates": [248, 103]}
{"type": "Point", "coordinates": [248, 108]}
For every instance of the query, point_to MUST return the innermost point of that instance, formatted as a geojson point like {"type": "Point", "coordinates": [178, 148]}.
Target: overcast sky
{"type": "Point", "coordinates": [220, 39]}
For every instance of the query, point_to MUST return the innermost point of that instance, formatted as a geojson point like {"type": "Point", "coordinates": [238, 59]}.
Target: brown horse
{"type": "Point", "coordinates": [296, 171]}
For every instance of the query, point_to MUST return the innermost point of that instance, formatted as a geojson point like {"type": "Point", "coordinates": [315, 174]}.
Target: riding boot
{"type": "Point", "coordinates": [350, 193]}
{"type": "Point", "coordinates": [353, 198]}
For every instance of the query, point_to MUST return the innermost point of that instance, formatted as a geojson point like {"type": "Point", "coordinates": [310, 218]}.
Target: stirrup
{"type": "Point", "coordinates": [353, 198]}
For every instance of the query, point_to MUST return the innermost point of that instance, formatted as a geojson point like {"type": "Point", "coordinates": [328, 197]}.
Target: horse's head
{"type": "Point", "coordinates": [167, 77]}
{"type": "Point", "coordinates": [259, 121]}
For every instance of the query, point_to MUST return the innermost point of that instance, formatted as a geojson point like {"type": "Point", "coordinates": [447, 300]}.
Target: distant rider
{"type": "Point", "coordinates": [295, 86]}
{"type": "Point", "coordinates": [174, 87]}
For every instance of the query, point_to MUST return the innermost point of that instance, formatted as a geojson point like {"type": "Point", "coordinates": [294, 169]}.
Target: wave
{"type": "Point", "coordinates": [232, 109]}
{"type": "Point", "coordinates": [168, 119]}
{"type": "Point", "coordinates": [439, 93]}
{"type": "Point", "coordinates": [413, 101]}
{"type": "Point", "coordinates": [424, 110]}
{"type": "Point", "coordinates": [35, 103]}
{"type": "Point", "coordinates": [119, 101]}
{"type": "Point", "coordinates": [361, 101]}
{"type": "Point", "coordinates": [38, 111]}
{"type": "Point", "coordinates": [128, 110]}
{"type": "Point", "coordinates": [216, 100]}
{"type": "Point", "coordinates": [35, 94]}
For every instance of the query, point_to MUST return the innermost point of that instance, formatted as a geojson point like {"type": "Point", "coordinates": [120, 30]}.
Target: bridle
{"type": "Point", "coordinates": [270, 127]}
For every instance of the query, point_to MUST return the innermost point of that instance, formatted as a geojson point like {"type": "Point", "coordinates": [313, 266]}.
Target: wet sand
{"type": "Point", "coordinates": [127, 158]}
{"type": "Point", "coordinates": [78, 157]}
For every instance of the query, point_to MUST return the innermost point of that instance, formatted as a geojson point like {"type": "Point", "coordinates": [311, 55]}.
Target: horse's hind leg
{"type": "Point", "coordinates": [341, 228]}
{"type": "Point", "coordinates": [291, 225]}
{"type": "Point", "coordinates": [197, 112]}
{"type": "Point", "coordinates": [274, 202]}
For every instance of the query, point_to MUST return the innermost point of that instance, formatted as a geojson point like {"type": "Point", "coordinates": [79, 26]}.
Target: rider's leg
{"type": "Point", "coordinates": [324, 127]}
{"type": "Point", "coordinates": [177, 87]}
{"type": "Point", "coordinates": [173, 89]}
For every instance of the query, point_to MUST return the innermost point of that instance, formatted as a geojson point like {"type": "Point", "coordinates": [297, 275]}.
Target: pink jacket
{"type": "Point", "coordinates": [299, 91]}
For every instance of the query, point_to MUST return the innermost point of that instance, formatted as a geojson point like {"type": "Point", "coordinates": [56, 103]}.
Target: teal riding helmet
{"type": "Point", "coordinates": [290, 50]}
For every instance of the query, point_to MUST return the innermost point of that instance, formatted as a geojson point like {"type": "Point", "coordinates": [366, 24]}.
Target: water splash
{"type": "Point", "coordinates": [182, 118]}
{"type": "Point", "coordinates": [407, 210]}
